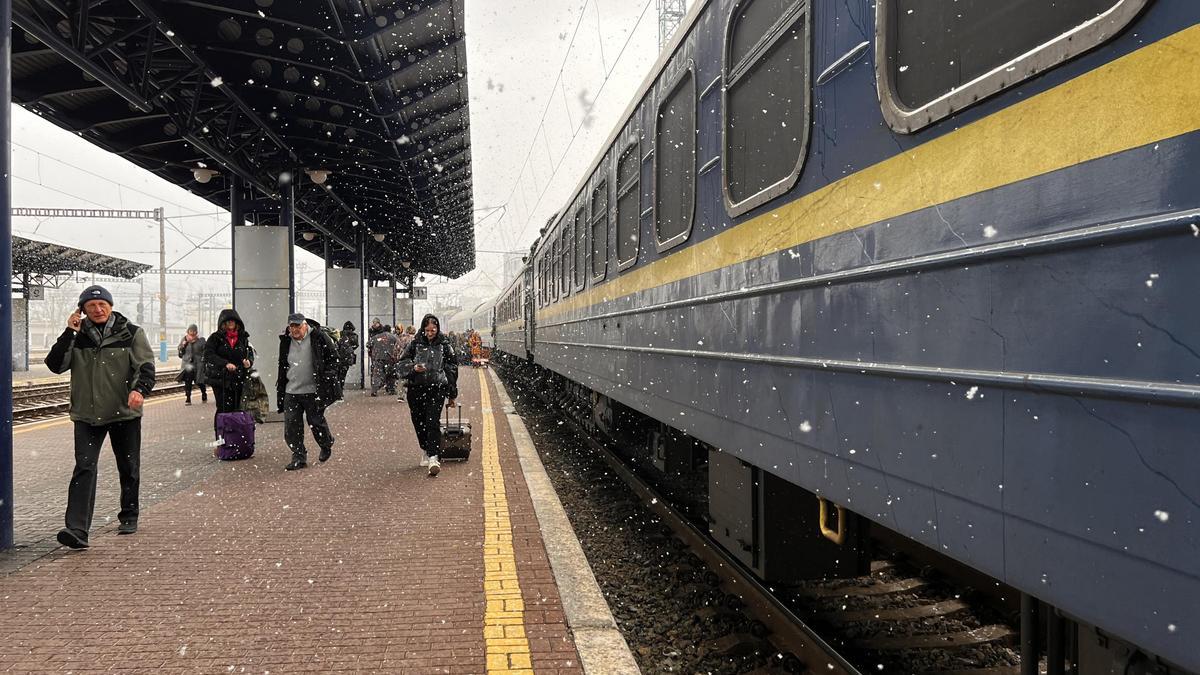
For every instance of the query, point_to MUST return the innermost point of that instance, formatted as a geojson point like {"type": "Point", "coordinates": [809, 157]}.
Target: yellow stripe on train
{"type": "Point", "coordinates": [1143, 97]}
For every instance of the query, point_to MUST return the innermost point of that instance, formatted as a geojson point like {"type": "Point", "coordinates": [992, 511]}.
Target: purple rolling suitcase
{"type": "Point", "coordinates": [235, 430]}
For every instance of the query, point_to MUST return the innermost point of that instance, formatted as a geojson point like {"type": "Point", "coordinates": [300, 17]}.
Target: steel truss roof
{"type": "Point", "coordinates": [373, 91]}
{"type": "Point", "coordinates": [39, 258]}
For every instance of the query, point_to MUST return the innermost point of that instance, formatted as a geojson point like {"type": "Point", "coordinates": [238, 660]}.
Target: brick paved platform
{"type": "Point", "coordinates": [363, 563]}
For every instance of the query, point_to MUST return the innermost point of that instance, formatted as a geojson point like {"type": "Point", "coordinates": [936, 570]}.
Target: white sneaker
{"type": "Point", "coordinates": [434, 466]}
{"type": "Point", "coordinates": [424, 460]}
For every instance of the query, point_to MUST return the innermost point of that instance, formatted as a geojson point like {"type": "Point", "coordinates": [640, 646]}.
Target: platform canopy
{"type": "Point", "coordinates": [43, 260]}
{"type": "Point", "coordinates": [373, 92]}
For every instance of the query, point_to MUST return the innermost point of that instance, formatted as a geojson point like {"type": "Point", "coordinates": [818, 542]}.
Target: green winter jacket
{"type": "Point", "coordinates": [102, 376]}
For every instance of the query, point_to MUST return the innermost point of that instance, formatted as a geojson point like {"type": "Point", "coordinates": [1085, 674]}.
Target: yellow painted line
{"type": "Point", "coordinates": [66, 420]}
{"type": "Point", "coordinates": [1144, 97]}
{"type": "Point", "coordinates": [504, 617]}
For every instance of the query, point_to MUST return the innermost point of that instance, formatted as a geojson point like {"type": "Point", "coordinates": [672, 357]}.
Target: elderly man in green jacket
{"type": "Point", "coordinates": [112, 371]}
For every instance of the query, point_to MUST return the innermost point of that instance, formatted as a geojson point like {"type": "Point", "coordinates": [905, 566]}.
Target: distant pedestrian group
{"type": "Point", "coordinates": [112, 372]}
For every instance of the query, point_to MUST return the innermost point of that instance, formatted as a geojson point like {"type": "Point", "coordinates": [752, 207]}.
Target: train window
{"type": "Point", "coordinates": [675, 163]}
{"type": "Point", "coordinates": [933, 58]}
{"type": "Point", "coordinates": [600, 230]}
{"type": "Point", "coordinates": [564, 271]}
{"type": "Point", "coordinates": [581, 245]}
{"type": "Point", "coordinates": [766, 100]}
{"type": "Point", "coordinates": [628, 206]}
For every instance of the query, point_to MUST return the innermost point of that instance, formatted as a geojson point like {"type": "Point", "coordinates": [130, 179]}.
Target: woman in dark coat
{"type": "Point", "coordinates": [191, 357]}
{"type": "Point", "coordinates": [347, 345]}
{"type": "Point", "coordinates": [429, 365]}
{"type": "Point", "coordinates": [228, 359]}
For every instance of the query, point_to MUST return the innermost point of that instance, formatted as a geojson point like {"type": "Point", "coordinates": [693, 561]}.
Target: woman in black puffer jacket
{"type": "Point", "coordinates": [228, 360]}
{"type": "Point", "coordinates": [429, 365]}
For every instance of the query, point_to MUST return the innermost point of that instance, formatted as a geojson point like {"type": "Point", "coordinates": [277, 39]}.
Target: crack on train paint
{"type": "Point", "coordinates": [1138, 451]}
{"type": "Point", "coordinates": [850, 16]}
{"type": "Point", "coordinates": [1124, 312]}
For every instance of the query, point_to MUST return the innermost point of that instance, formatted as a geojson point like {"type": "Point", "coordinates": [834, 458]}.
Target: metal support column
{"type": "Point", "coordinates": [361, 257]}
{"type": "Point", "coordinates": [287, 218]}
{"type": "Point", "coordinates": [325, 258]}
{"type": "Point", "coordinates": [6, 403]}
{"type": "Point", "coordinates": [237, 218]}
{"type": "Point", "coordinates": [162, 284]}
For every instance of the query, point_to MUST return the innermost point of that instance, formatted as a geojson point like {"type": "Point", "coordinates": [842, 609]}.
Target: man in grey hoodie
{"type": "Point", "coordinates": [112, 371]}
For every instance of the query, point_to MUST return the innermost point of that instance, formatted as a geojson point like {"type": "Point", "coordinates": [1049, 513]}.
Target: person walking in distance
{"type": "Point", "coordinates": [112, 373]}
{"type": "Point", "coordinates": [309, 369]}
{"type": "Point", "coordinates": [191, 355]}
{"type": "Point", "coordinates": [228, 358]}
{"type": "Point", "coordinates": [431, 369]}
{"type": "Point", "coordinates": [381, 350]}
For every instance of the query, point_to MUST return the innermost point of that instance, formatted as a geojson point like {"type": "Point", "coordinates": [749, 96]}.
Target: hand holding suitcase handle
{"type": "Point", "coordinates": [451, 403]}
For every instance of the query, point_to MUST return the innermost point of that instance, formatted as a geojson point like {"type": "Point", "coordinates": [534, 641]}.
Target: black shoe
{"type": "Point", "coordinates": [325, 453]}
{"type": "Point", "coordinates": [70, 539]}
{"type": "Point", "coordinates": [127, 527]}
{"type": "Point", "coordinates": [296, 464]}
{"type": "Point", "coordinates": [188, 402]}
{"type": "Point", "coordinates": [204, 398]}
{"type": "Point", "coordinates": [374, 394]}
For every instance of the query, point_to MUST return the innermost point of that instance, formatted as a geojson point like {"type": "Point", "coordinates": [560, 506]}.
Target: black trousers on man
{"type": "Point", "coordinates": [295, 408]}
{"type": "Point", "coordinates": [425, 406]}
{"type": "Point", "coordinates": [126, 439]}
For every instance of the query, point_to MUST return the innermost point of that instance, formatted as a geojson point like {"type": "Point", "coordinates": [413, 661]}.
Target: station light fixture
{"type": "Point", "coordinates": [203, 175]}
{"type": "Point", "coordinates": [318, 176]}
{"type": "Point", "coordinates": [309, 236]}
{"type": "Point", "coordinates": [406, 263]}
{"type": "Point", "coordinates": [379, 236]}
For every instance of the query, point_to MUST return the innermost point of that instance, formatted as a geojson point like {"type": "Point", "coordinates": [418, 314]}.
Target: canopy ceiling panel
{"type": "Point", "coordinates": [372, 91]}
{"type": "Point", "coordinates": [43, 258]}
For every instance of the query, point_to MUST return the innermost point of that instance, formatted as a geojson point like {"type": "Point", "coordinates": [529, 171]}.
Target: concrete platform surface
{"type": "Point", "coordinates": [363, 563]}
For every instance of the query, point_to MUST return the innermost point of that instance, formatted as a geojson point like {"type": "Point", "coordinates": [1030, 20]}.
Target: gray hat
{"type": "Point", "coordinates": [95, 293]}
{"type": "Point", "coordinates": [295, 317]}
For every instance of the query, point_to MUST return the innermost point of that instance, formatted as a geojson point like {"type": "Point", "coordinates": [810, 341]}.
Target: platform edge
{"type": "Point", "coordinates": [602, 648]}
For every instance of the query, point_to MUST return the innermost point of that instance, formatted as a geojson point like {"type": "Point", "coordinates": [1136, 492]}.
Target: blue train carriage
{"type": "Point", "coordinates": [929, 262]}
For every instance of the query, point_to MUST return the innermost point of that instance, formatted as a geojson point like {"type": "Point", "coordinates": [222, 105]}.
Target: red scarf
{"type": "Point", "coordinates": [231, 337]}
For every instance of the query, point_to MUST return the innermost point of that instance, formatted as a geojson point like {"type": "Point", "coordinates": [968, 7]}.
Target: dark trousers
{"type": "Point", "coordinates": [126, 440]}
{"type": "Point", "coordinates": [425, 406]}
{"type": "Point", "coordinates": [189, 379]}
{"type": "Point", "coordinates": [295, 408]}
{"type": "Point", "coordinates": [229, 398]}
{"type": "Point", "coordinates": [345, 370]}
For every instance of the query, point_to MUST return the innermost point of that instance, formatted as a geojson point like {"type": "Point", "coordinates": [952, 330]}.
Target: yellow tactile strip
{"type": "Point", "coordinates": [504, 618]}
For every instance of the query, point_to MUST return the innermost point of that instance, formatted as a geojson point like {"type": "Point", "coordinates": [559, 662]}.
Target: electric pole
{"type": "Point", "coordinates": [670, 14]}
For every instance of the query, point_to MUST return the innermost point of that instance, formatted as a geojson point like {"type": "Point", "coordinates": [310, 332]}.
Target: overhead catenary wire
{"type": "Point", "coordinates": [582, 124]}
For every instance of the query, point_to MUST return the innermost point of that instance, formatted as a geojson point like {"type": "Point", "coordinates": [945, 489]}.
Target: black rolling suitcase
{"type": "Point", "coordinates": [456, 439]}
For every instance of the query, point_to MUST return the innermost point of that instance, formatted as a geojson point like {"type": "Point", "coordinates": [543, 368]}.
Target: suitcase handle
{"type": "Point", "coordinates": [447, 409]}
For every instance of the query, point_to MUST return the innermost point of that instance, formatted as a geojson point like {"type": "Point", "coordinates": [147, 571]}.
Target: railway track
{"type": "Point", "coordinates": [906, 616]}
{"type": "Point", "coordinates": [45, 401]}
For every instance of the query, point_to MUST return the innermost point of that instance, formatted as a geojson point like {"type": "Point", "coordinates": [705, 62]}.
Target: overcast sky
{"type": "Point", "coordinates": [533, 133]}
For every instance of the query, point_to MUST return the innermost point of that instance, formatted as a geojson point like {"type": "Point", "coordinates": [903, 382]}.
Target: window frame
{"type": "Point", "coordinates": [1032, 63]}
{"type": "Point", "coordinates": [800, 11]}
{"type": "Point", "coordinates": [566, 254]}
{"type": "Point", "coordinates": [686, 72]}
{"type": "Point", "coordinates": [592, 221]}
{"type": "Point", "coordinates": [582, 240]}
{"type": "Point", "coordinates": [634, 148]}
